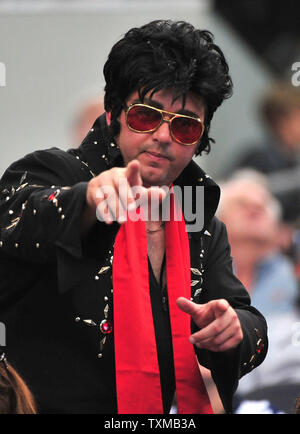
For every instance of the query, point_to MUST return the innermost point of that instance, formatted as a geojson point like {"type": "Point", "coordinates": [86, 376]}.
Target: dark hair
{"type": "Point", "coordinates": [166, 54]}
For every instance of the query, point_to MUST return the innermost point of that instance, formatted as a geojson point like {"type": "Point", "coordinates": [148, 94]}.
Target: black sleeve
{"type": "Point", "coordinates": [219, 281]}
{"type": "Point", "coordinates": [41, 201]}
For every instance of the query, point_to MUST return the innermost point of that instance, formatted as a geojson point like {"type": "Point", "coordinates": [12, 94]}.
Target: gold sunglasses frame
{"type": "Point", "coordinates": [163, 119]}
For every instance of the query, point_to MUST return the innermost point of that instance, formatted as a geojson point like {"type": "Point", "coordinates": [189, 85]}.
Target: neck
{"type": "Point", "coordinates": [154, 227]}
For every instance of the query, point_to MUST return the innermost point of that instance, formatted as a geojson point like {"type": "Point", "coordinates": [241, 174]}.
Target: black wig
{"type": "Point", "coordinates": [166, 54]}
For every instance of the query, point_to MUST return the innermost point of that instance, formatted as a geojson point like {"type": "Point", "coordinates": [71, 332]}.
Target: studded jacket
{"type": "Point", "coordinates": [56, 290]}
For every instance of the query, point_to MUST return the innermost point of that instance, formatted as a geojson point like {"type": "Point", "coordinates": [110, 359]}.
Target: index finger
{"type": "Point", "coordinates": [133, 173]}
{"type": "Point", "coordinates": [131, 177]}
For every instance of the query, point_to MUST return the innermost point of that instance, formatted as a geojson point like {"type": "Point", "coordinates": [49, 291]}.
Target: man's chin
{"type": "Point", "coordinates": [153, 179]}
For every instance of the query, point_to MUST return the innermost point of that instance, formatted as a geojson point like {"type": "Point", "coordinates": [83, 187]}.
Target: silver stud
{"type": "Point", "coordinates": [104, 269]}
{"type": "Point", "coordinates": [34, 212]}
{"type": "Point", "coordinates": [89, 322]}
{"type": "Point", "coordinates": [62, 216]}
{"type": "Point", "coordinates": [105, 298]}
{"type": "Point", "coordinates": [7, 198]}
{"type": "Point", "coordinates": [96, 277]}
{"type": "Point", "coordinates": [197, 292]}
{"type": "Point", "coordinates": [92, 129]}
{"type": "Point", "coordinates": [59, 209]}
{"type": "Point", "coordinates": [196, 271]}
{"type": "Point", "coordinates": [1, 243]}
{"type": "Point", "coordinates": [77, 319]}
{"type": "Point", "coordinates": [37, 245]}
{"type": "Point", "coordinates": [16, 245]}
{"type": "Point", "coordinates": [99, 356]}
{"type": "Point", "coordinates": [10, 211]}
{"type": "Point", "coordinates": [95, 143]}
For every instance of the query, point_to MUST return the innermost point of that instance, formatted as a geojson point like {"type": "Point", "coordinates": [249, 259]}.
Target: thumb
{"type": "Point", "coordinates": [188, 306]}
{"type": "Point", "coordinates": [133, 173]}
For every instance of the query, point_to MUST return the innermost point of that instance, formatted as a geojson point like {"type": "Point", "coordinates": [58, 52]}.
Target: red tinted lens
{"type": "Point", "coordinates": [186, 130]}
{"type": "Point", "coordinates": [142, 118]}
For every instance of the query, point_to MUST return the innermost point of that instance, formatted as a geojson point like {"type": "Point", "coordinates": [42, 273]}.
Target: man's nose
{"type": "Point", "coordinates": [163, 133]}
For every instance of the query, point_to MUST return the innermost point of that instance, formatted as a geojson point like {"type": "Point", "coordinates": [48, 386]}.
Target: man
{"type": "Point", "coordinates": [98, 309]}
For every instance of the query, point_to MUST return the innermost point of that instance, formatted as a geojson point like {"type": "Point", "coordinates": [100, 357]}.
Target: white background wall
{"type": "Point", "coordinates": [54, 53]}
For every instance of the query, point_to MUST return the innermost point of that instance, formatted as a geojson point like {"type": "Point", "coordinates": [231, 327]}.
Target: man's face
{"type": "Point", "coordinates": [161, 158]}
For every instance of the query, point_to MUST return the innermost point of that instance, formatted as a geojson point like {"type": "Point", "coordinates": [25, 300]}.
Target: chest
{"type": "Point", "coordinates": [156, 252]}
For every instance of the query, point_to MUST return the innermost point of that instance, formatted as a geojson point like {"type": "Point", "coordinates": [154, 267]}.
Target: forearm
{"type": "Point", "coordinates": [35, 219]}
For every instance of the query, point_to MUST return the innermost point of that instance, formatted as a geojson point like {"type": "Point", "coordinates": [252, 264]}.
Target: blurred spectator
{"type": "Point", "coordinates": [85, 118]}
{"type": "Point", "coordinates": [279, 157]}
{"type": "Point", "coordinates": [297, 405]}
{"type": "Point", "coordinates": [15, 397]}
{"type": "Point", "coordinates": [252, 217]}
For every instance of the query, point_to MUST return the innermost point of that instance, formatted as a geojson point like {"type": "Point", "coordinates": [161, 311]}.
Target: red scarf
{"type": "Point", "coordinates": [137, 371]}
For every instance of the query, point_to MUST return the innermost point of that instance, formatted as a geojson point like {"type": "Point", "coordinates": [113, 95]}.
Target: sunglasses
{"type": "Point", "coordinates": [142, 118]}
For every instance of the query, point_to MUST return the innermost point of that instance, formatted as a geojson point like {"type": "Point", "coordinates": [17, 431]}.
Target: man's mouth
{"type": "Point", "coordinates": [157, 155]}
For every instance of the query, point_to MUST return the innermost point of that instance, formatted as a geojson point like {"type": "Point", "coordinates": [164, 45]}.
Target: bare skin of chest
{"type": "Point", "coordinates": [156, 251]}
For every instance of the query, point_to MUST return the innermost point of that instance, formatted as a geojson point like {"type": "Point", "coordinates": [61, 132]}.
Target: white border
{"type": "Point", "coordinates": [80, 6]}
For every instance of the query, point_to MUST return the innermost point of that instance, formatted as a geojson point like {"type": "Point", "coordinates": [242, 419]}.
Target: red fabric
{"type": "Point", "coordinates": [137, 371]}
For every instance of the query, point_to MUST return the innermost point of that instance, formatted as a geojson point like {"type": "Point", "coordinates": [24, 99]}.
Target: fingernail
{"type": "Point", "coordinates": [192, 340]}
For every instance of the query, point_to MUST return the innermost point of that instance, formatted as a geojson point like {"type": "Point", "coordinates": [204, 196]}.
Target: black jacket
{"type": "Point", "coordinates": [55, 289]}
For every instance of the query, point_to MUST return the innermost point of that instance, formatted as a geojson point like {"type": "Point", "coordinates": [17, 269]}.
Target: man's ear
{"type": "Point", "coordinates": [108, 118]}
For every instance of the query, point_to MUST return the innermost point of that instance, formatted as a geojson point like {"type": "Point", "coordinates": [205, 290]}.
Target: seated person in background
{"type": "Point", "coordinates": [253, 221]}
{"type": "Point", "coordinates": [252, 217]}
{"type": "Point", "coordinates": [85, 117]}
{"type": "Point", "coordinates": [279, 156]}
